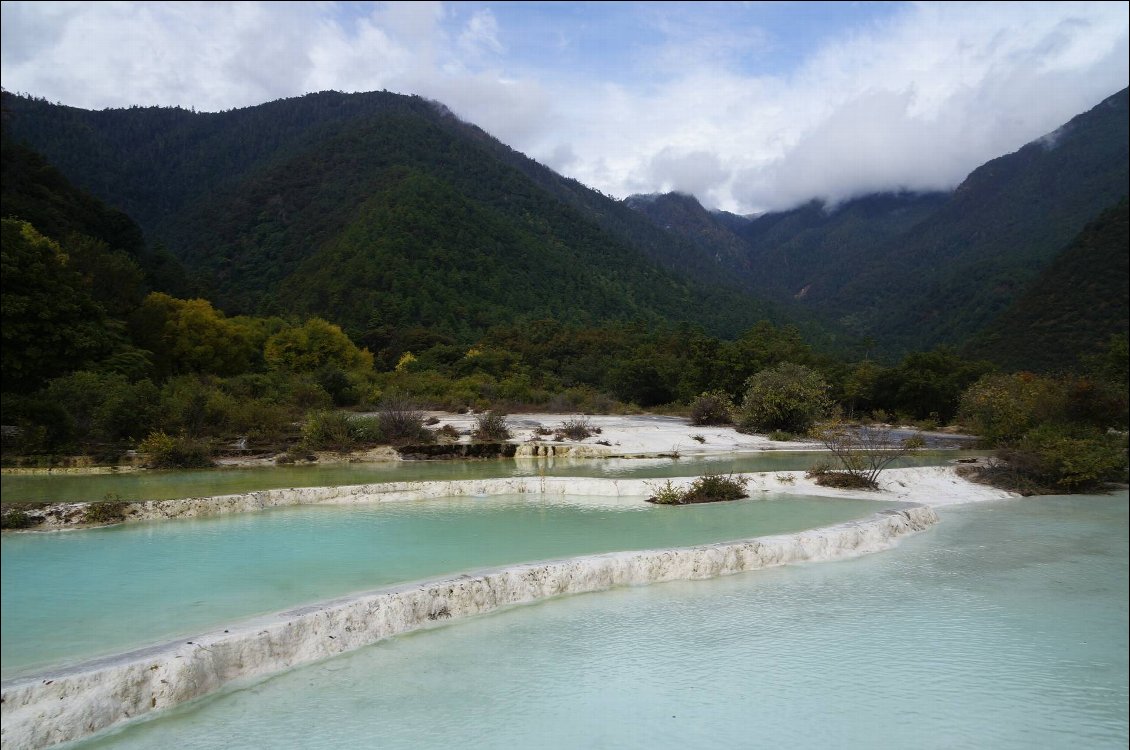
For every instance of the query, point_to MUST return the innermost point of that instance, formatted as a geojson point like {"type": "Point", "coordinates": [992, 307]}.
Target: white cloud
{"type": "Point", "coordinates": [695, 172]}
{"type": "Point", "coordinates": [481, 35]}
{"type": "Point", "coordinates": [913, 101]}
{"type": "Point", "coordinates": [916, 102]}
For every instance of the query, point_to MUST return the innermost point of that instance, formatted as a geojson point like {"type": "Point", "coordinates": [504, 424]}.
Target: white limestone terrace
{"type": "Point", "coordinates": [654, 435]}
{"type": "Point", "coordinates": [931, 485]}
{"type": "Point", "coordinates": [635, 434]}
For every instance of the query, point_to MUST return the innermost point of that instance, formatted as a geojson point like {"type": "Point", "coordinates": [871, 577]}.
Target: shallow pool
{"type": "Point", "coordinates": [76, 594]}
{"type": "Point", "coordinates": [164, 485]}
{"type": "Point", "coordinates": [1003, 627]}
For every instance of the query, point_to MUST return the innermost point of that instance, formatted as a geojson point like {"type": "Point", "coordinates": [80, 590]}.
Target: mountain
{"type": "Point", "coordinates": [33, 190]}
{"type": "Point", "coordinates": [684, 216]}
{"type": "Point", "coordinates": [954, 272]}
{"type": "Point", "coordinates": [809, 253]}
{"type": "Point", "coordinates": [1073, 307]}
{"type": "Point", "coordinates": [377, 210]}
{"type": "Point", "coordinates": [914, 271]}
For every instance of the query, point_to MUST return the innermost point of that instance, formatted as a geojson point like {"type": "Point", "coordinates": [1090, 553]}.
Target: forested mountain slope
{"type": "Point", "coordinates": [954, 272]}
{"type": "Point", "coordinates": [73, 268]}
{"type": "Point", "coordinates": [34, 191]}
{"type": "Point", "coordinates": [432, 221]}
{"type": "Point", "coordinates": [1074, 306]}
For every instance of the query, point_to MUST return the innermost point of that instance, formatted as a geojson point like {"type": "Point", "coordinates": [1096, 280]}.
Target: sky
{"type": "Point", "coordinates": [749, 106]}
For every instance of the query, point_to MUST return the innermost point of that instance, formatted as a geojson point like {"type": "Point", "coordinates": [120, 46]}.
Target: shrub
{"type": "Point", "coordinates": [41, 425]}
{"type": "Point", "coordinates": [339, 431]}
{"type": "Point", "coordinates": [787, 397]}
{"type": "Point", "coordinates": [780, 436]}
{"type": "Point", "coordinates": [713, 488]}
{"type": "Point", "coordinates": [708, 488]}
{"type": "Point", "coordinates": [491, 427]}
{"type": "Point", "coordinates": [106, 512]}
{"type": "Point", "coordinates": [304, 394]}
{"type": "Point", "coordinates": [667, 494]}
{"type": "Point", "coordinates": [327, 430]}
{"type": "Point", "coordinates": [197, 406]}
{"type": "Point", "coordinates": [1050, 458]}
{"type": "Point", "coordinates": [260, 420]}
{"type": "Point", "coordinates": [165, 452]}
{"type": "Point", "coordinates": [576, 429]}
{"type": "Point", "coordinates": [18, 519]}
{"type": "Point", "coordinates": [105, 407]}
{"type": "Point", "coordinates": [337, 382]}
{"type": "Point", "coordinates": [447, 433]}
{"type": "Point", "coordinates": [712, 407]}
{"type": "Point", "coordinates": [862, 452]}
{"type": "Point", "coordinates": [1002, 408]}
{"type": "Point", "coordinates": [366, 431]}
{"type": "Point", "coordinates": [402, 422]}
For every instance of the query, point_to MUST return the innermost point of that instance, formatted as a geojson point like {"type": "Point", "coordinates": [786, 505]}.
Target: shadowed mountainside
{"type": "Point", "coordinates": [377, 209]}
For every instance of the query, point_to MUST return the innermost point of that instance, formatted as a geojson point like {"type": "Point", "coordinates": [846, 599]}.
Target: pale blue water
{"type": "Point", "coordinates": [76, 594]}
{"type": "Point", "coordinates": [1004, 627]}
{"type": "Point", "coordinates": [161, 485]}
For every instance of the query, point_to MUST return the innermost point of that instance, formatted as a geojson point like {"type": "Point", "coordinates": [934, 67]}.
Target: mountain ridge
{"type": "Point", "coordinates": [293, 190]}
{"type": "Point", "coordinates": [255, 202]}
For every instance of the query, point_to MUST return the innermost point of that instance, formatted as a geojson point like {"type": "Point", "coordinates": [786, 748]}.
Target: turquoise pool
{"type": "Point", "coordinates": [72, 595]}
{"type": "Point", "coordinates": [1004, 627]}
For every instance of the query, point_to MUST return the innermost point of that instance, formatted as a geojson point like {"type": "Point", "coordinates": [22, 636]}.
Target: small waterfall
{"type": "Point", "coordinates": [75, 702]}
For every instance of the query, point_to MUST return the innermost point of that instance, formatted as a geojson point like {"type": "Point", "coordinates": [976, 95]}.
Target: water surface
{"type": "Point", "coordinates": [80, 593]}
{"type": "Point", "coordinates": [1004, 627]}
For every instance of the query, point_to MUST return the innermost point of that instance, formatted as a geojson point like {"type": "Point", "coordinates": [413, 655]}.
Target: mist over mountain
{"type": "Point", "coordinates": [912, 271]}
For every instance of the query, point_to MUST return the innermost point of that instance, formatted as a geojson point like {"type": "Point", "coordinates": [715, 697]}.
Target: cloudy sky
{"type": "Point", "coordinates": [749, 106]}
